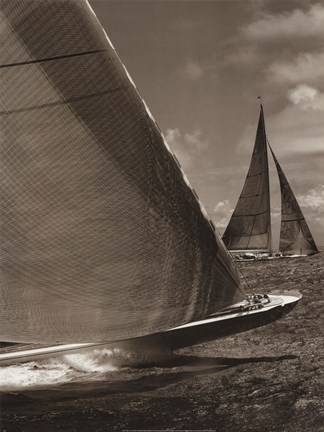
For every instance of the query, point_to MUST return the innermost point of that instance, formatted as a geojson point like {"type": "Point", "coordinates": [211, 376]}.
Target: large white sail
{"type": "Point", "coordinates": [102, 237]}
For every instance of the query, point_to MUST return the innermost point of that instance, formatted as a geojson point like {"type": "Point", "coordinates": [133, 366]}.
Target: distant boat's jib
{"type": "Point", "coordinates": [101, 236]}
{"type": "Point", "coordinates": [295, 236]}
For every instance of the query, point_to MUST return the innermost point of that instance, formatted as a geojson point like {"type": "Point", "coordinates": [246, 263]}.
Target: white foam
{"type": "Point", "coordinates": [95, 360]}
{"type": "Point", "coordinates": [86, 365]}
{"type": "Point", "coordinates": [56, 370]}
{"type": "Point", "coordinates": [34, 374]}
{"type": "Point", "coordinates": [112, 359]}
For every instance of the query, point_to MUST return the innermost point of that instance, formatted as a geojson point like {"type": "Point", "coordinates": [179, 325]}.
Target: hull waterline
{"type": "Point", "coordinates": [215, 327]}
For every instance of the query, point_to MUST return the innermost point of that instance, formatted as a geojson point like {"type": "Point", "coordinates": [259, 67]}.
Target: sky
{"type": "Point", "coordinates": [200, 65]}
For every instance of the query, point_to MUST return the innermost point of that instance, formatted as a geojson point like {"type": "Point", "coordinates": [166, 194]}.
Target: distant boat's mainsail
{"type": "Point", "coordinates": [250, 227]}
{"type": "Point", "coordinates": [295, 236]}
{"type": "Point", "coordinates": [102, 238]}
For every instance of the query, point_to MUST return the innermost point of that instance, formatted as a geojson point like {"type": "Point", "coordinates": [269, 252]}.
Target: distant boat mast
{"type": "Point", "coordinates": [250, 225]}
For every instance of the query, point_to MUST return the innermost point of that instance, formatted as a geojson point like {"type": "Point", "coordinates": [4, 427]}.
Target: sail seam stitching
{"type": "Point", "coordinates": [47, 59]}
{"type": "Point", "coordinates": [253, 214]}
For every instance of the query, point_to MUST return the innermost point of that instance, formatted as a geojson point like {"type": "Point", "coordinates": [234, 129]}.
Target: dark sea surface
{"type": "Point", "coordinates": [268, 379]}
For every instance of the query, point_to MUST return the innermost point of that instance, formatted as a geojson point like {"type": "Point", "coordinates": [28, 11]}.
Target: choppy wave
{"type": "Point", "coordinates": [86, 365]}
{"type": "Point", "coordinates": [34, 374]}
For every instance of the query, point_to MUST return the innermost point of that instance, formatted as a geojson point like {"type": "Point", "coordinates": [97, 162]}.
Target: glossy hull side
{"type": "Point", "coordinates": [216, 327]}
{"type": "Point", "coordinates": [193, 335]}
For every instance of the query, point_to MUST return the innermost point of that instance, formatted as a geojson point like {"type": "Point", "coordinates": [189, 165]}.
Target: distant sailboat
{"type": "Point", "coordinates": [102, 238]}
{"type": "Point", "coordinates": [249, 228]}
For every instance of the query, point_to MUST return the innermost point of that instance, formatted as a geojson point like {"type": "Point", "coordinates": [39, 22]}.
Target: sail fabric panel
{"type": "Point", "coordinates": [243, 243]}
{"type": "Point", "coordinates": [250, 225]}
{"type": "Point", "coordinates": [253, 224]}
{"type": "Point", "coordinates": [295, 235]}
{"type": "Point", "coordinates": [102, 239]}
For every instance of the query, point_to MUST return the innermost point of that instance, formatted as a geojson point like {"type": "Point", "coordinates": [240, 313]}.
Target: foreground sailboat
{"type": "Point", "coordinates": [103, 240]}
{"type": "Point", "coordinates": [248, 233]}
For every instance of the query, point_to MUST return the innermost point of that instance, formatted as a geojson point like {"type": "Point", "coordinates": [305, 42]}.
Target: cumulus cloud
{"type": "Point", "coordinates": [296, 23]}
{"type": "Point", "coordinates": [306, 67]}
{"type": "Point", "coordinates": [187, 147]}
{"type": "Point", "coordinates": [299, 128]}
{"type": "Point", "coordinates": [284, 54]}
{"type": "Point", "coordinates": [276, 213]}
{"type": "Point", "coordinates": [192, 70]}
{"type": "Point", "coordinates": [296, 130]}
{"type": "Point", "coordinates": [222, 213]}
{"type": "Point", "coordinates": [303, 94]}
{"type": "Point", "coordinates": [312, 203]}
{"type": "Point", "coordinates": [285, 48]}
{"type": "Point", "coordinates": [307, 97]}
{"type": "Point", "coordinates": [313, 199]}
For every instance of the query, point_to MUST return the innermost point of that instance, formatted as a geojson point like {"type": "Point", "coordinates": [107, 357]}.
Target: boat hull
{"type": "Point", "coordinates": [215, 327]}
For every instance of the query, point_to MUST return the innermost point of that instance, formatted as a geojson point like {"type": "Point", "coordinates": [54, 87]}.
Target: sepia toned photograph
{"type": "Point", "coordinates": [161, 215]}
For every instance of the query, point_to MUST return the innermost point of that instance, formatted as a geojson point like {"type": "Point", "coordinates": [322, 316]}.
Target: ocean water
{"type": "Point", "coordinates": [108, 363]}
{"type": "Point", "coordinates": [90, 365]}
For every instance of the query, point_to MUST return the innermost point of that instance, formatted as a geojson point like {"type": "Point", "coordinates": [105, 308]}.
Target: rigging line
{"type": "Point", "coordinates": [47, 59]}
{"type": "Point", "coordinates": [243, 276]}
